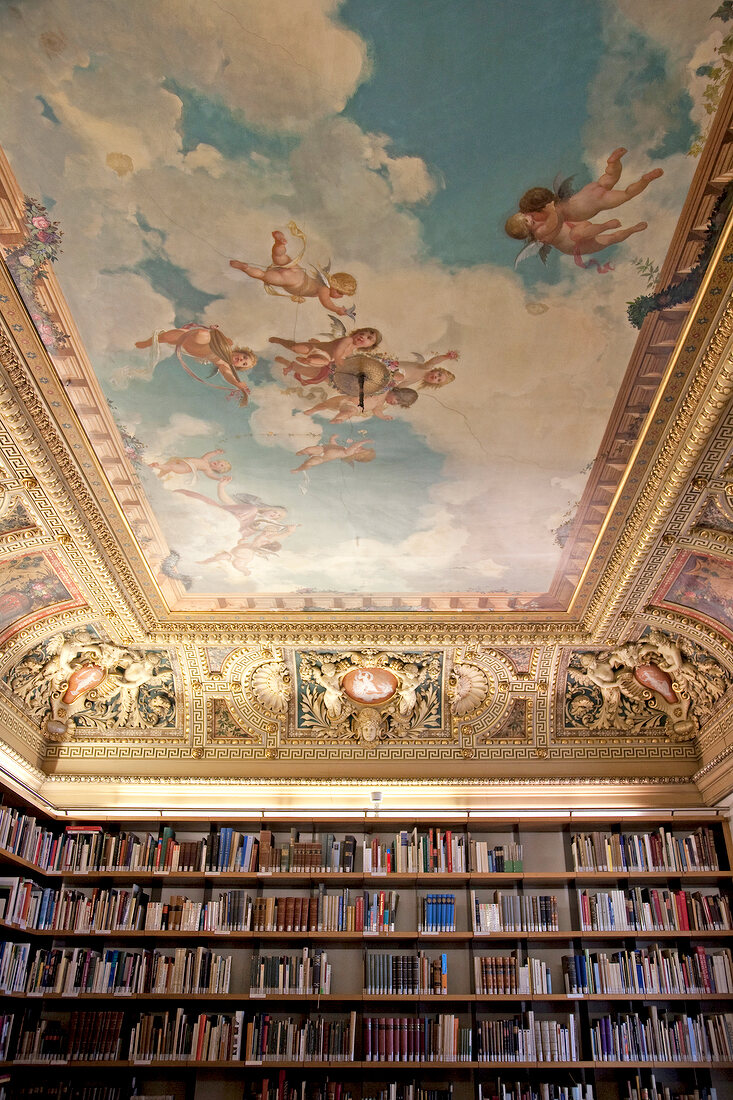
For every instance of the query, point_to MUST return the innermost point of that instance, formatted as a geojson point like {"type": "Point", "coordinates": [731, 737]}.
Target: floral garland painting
{"type": "Point", "coordinates": [27, 265]}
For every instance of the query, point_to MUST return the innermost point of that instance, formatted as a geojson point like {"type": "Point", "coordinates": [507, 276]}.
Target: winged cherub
{"type": "Point", "coordinates": [320, 355]}
{"type": "Point", "coordinates": [286, 273]}
{"type": "Point", "coordinates": [561, 219]}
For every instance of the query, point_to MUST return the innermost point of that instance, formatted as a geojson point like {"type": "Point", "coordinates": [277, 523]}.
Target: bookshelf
{"type": "Point", "coordinates": [368, 960]}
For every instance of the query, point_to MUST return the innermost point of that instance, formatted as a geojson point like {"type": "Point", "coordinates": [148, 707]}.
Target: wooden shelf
{"type": "Point", "coordinates": [352, 948]}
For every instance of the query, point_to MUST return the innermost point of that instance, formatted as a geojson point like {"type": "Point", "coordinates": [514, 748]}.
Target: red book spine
{"type": "Point", "coordinates": [389, 1039]}
{"type": "Point", "coordinates": [704, 969]}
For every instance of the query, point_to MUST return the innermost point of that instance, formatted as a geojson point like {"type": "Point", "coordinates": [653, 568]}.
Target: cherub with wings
{"type": "Point", "coordinates": [208, 344]}
{"type": "Point", "coordinates": [425, 373]}
{"type": "Point", "coordinates": [286, 273]}
{"type": "Point", "coordinates": [333, 451]}
{"type": "Point", "coordinates": [320, 355]}
{"type": "Point", "coordinates": [561, 218]}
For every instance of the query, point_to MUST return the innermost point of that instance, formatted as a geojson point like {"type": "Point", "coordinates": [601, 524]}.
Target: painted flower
{"type": "Point", "coordinates": [40, 222]}
{"type": "Point", "coordinates": [26, 261]}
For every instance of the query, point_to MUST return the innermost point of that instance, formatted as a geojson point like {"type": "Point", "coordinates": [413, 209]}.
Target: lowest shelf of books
{"type": "Point", "coordinates": [301, 963]}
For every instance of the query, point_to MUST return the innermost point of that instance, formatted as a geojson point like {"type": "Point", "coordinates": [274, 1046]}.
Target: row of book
{"type": "Point", "coordinates": [488, 858]}
{"type": "Point", "coordinates": [312, 1039]}
{"type": "Point", "coordinates": [629, 1037]}
{"type": "Point", "coordinates": [88, 847]}
{"type": "Point", "coordinates": [545, 1090]}
{"type": "Point", "coordinates": [408, 1091]}
{"type": "Point", "coordinates": [82, 1036]}
{"type": "Point", "coordinates": [651, 1089]}
{"type": "Point", "coordinates": [284, 1088]}
{"type": "Point", "coordinates": [515, 913]}
{"type": "Point", "coordinates": [659, 850]}
{"type": "Point", "coordinates": [26, 904]}
{"type": "Point", "coordinates": [500, 974]}
{"type": "Point", "coordinates": [526, 1038]}
{"type": "Point", "coordinates": [230, 910]}
{"type": "Point", "coordinates": [70, 971]}
{"type": "Point", "coordinates": [405, 974]}
{"type": "Point", "coordinates": [653, 969]}
{"type": "Point", "coordinates": [307, 972]}
{"type": "Point", "coordinates": [648, 909]}
{"type": "Point", "coordinates": [436, 913]}
{"type": "Point", "coordinates": [73, 1090]}
{"type": "Point", "coordinates": [437, 851]}
{"type": "Point", "coordinates": [416, 1039]}
{"type": "Point", "coordinates": [179, 1035]}
{"type": "Point", "coordinates": [344, 911]}
{"type": "Point", "coordinates": [68, 1090]}
{"type": "Point", "coordinates": [504, 975]}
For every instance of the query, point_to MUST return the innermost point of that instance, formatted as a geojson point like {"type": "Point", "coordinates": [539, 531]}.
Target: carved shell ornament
{"type": "Point", "coordinates": [271, 687]}
{"type": "Point", "coordinates": [469, 688]}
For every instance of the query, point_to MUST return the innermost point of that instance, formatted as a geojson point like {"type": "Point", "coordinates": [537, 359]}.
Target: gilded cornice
{"type": "Point", "coordinates": [49, 475]}
{"type": "Point", "coordinates": [686, 437]}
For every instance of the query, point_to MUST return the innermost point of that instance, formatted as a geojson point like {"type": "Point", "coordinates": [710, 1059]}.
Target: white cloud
{"type": "Point", "coordinates": [277, 419]}
{"type": "Point", "coordinates": [166, 441]}
{"type": "Point", "coordinates": [129, 311]}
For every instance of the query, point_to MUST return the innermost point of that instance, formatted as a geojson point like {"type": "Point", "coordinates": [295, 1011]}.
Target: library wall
{"type": "Point", "coordinates": [523, 959]}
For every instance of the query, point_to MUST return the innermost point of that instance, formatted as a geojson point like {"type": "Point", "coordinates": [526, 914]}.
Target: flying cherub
{"type": "Point", "coordinates": [346, 408]}
{"type": "Point", "coordinates": [207, 343]}
{"type": "Point", "coordinates": [425, 373]}
{"type": "Point", "coordinates": [296, 283]}
{"type": "Point", "coordinates": [263, 545]}
{"type": "Point", "coordinates": [332, 451]}
{"type": "Point", "coordinates": [561, 219]}
{"type": "Point", "coordinates": [209, 465]}
{"type": "Point", "coordinates": [321, 355]}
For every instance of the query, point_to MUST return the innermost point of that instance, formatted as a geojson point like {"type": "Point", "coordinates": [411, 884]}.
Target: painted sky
{"type": "Point", "coordinates": [399, 137]}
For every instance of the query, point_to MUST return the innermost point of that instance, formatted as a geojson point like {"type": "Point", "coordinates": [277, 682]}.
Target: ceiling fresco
{"type": "Point", "coordinates": [232, 226]}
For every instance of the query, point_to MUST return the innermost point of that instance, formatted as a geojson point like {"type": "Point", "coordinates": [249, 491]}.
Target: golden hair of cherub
{"type": "Point", "coordinates": [516, 227]}
{"type": "Point", "coordinates": [444, 376]}
{"type": "Point", "coordinates": [343, 282]}
{"type": "Point", "coordinates": [242, 350]}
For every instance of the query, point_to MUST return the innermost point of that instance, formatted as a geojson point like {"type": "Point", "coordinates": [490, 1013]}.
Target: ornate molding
{"type": "Point", "coordinates": [699, 413]}
{"type": "Point", "coordinates": [75, 510]}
